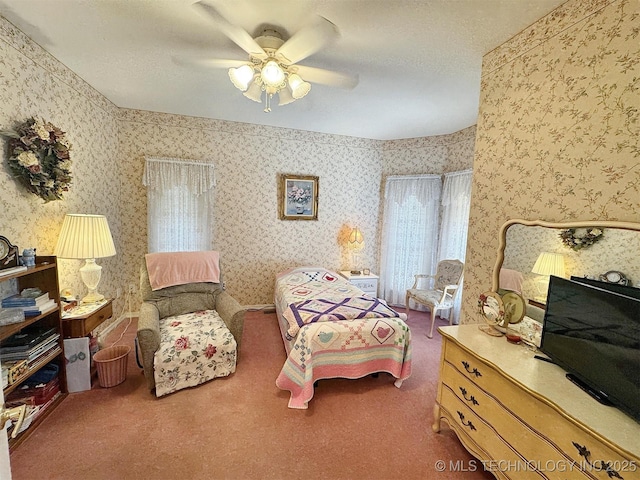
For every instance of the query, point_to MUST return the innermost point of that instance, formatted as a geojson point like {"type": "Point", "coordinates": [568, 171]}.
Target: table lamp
{"type": "Point", "coordinates": [546, 265]}
{"type": "Point", "coordinates": [356, 243]}
{"type": "Point", "coordinates": [86, 237]}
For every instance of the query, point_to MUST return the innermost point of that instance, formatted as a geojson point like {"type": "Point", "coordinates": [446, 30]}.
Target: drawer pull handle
{"type": "Point", "coordinates": [466, 424]}
{"type": "Point", "coordinates": [601, 465]}
{"type": "Point", "coordinates": [472, 372]}
{"type": "Point", "coordinates": [471, 398]}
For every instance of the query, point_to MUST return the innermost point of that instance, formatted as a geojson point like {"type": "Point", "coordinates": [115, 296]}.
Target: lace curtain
{"type": "Point", "coordinates": [409, 233]}
{"type": "Point", "coordinates": [179, 204]}
{"type": "Point", "coordinates": [456, 202]}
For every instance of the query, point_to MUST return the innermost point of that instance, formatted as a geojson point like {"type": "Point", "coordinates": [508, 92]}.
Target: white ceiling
{"type": "Point", "coordinates": [419, 61]}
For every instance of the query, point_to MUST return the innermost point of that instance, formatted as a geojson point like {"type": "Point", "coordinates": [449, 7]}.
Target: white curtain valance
{"type": "Point", "coordinates": [403, 187]}
{"type": "Point", "coordinates": [166, 173]}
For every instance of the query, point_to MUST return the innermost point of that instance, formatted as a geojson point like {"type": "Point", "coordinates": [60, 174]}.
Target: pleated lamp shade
{"type": "Point", "coordinates": [85, 236]}
{"type": "Point", "coordinates": [549, 264]}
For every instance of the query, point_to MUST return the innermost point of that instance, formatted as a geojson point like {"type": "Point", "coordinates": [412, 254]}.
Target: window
{"type": "Point", "coordinates": [179, 205]}
{"type": "Point", "coordinates": [409, 232]}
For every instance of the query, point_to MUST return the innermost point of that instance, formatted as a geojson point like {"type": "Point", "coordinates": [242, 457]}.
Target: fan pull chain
{"type": "Point", "coordinates": [267, 102]}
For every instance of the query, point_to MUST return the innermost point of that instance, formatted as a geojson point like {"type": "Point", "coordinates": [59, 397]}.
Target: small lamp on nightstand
{"type": "Point", "coordinates": [86, 237]}
{"type": "Point", "coordinates": [547, 264]}
{"type": "Point", "coordinates": [356, 244]}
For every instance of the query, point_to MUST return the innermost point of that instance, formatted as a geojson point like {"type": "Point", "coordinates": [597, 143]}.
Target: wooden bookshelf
{"type": "Point", "coordinates": [45, 277]}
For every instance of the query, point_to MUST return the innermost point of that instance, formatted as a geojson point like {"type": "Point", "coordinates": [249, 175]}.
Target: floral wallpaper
{"type": "Point", "coordinates": [254, 244]}
{"type": "Point", "coordinates": [35, 84]}
{"type": "Point", "coordinates": [109, 145]}
{"type": "Point", "coordinates": [557, 132]}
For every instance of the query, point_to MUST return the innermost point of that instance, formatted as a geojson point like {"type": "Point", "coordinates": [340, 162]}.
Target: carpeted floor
{"type": "Point", "coordinates": [240, 427]}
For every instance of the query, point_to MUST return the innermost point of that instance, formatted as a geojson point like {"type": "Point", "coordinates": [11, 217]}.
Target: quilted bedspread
{"type": "Point", "coordinates": [331, 329]}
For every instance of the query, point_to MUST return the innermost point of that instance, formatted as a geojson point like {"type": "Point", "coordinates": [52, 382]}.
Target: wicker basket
{"type": "Point", "coordinates": [111, 363]}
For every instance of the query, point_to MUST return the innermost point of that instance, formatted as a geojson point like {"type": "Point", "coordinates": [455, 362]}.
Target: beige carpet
{"type": "Point", "coordinates": [240, 427]}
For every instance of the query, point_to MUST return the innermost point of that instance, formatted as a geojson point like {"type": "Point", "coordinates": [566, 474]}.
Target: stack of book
{"type": "Point", "coordinates": [29, 344]}
{"type": "Point", "coordinates": [31, 306]}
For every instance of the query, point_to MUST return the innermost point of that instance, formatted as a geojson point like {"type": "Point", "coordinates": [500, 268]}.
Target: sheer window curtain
{"type": "Point", "coordinates": [409, 233]}
{"type": "Point", "coordinates": [179, 204]}
{"type": "Point", "coordinates": [456, 202]}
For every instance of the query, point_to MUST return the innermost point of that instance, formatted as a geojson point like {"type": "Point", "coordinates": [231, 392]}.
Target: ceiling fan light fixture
{"type": "Point", "coordinates": [254, 92]}
{"type": "Point", "coordinates": [299, 88]}
{"type": "Point", "coordinates": [241, 77]}
{"type": "Point", "coordinates": [285, 97]}
{"type": "Point", "coordinates": [272, 74]}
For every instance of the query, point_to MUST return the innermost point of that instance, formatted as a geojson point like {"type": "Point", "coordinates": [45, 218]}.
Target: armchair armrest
{"type": "Point", "coordinates": [148, 339]}
{"type": "Point", "coordinates": [232, 314]}
{"type": "Point", "coordinates": [420, 276]}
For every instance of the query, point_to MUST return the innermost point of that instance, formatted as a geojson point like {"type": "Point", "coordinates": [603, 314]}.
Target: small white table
{"type": "Point", "coordinates": [366, 283]}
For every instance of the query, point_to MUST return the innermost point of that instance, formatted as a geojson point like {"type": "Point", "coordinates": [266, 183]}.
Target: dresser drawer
{"type": "Point", "coordinates": [543, 433]}
{"type": "Point", "coordinates": [536, 450]}
{"type": "Point", "coordinates": [471, 367]}
{"type": "Point", "coordinates": [498, 456]}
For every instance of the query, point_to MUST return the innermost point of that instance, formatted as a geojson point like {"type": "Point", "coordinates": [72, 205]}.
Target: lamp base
{"type": "Point", "coordinates": [91, 273]}
{"type": "Point", "coordinates": [93, 297]}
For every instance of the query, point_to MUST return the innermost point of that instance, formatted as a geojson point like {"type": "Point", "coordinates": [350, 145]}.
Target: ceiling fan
{"type": "Point", "coordinates": [273, 67]}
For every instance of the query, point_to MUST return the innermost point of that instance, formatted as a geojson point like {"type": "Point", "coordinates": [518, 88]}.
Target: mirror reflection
{"type": "Point", "coordinates": [532, 253]}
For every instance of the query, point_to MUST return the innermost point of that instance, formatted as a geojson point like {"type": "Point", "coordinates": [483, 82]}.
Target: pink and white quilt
{"type": "Point", "coordinates": [331, 329]}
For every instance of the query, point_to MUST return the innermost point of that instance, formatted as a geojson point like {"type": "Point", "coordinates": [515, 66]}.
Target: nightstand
{"type": "Point", "coordinates": [83, 319]}
{"type": "Point", "coordinates": [367, 283]}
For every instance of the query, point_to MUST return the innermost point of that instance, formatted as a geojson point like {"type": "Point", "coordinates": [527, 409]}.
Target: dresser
{"type": "Point", "coordinates": [523, 419]}
{"type": "Point", "coordinates": [367, 283]}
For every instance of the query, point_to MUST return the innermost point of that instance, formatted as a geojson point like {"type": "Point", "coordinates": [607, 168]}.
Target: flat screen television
{"type": "Point", "coordinates": [593, 332]}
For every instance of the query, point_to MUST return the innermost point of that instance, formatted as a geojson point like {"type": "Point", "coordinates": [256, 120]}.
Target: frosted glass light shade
{"type": "Point", "coordinates": [299, 88]}
{"type": "Point", "coordinates": [86, 237]}
{"type": "Point", "coordinates": [285, 96]}
{"type": "Point", "coordinates": [272, 75]}
{"type": "Point", "coordinates": [241, 77]}
{"type": "Point", "coordinates": [254, 92]}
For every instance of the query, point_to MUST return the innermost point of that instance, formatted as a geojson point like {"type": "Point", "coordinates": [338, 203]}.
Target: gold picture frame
{"type": "Point", "coordinates": [298, 197]}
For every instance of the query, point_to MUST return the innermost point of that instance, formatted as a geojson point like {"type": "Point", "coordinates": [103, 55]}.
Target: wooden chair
{"type": "Point", "coordinates": [440, 290]}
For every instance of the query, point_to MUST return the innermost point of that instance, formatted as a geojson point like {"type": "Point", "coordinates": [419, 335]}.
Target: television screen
{"type": "Point", "coordinates": [594, 334]}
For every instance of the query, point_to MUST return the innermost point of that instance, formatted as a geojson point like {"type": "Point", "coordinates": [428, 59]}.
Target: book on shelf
{"type": "Point", "coordinates": [27, 338]}
{"type": "Point", "coordinates": [39, 310]}
{"type": "Point", "coordinates": [20, 353]}
{"type": "Point", "coordinates": [18, 300]}
{"type": "Point", "coordinates": [9, 271]}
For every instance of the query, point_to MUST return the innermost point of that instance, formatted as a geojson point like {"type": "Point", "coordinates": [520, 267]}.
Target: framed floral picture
{"type": "Point", "coordinates": [298, 197]}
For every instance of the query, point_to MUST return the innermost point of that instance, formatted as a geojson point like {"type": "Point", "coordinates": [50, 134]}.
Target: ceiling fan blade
{"type": "Point", "coordinates": [327, 77]}
{"type": "Point", "coordinates": [237, 34]}
{"type": "Point", "coordinates": [307, 41]}
{"type": "Point", "coordinates": [207, 63]}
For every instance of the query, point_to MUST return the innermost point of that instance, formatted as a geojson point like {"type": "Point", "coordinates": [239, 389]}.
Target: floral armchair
{"type": "Point", "coordinates": [183, 300]}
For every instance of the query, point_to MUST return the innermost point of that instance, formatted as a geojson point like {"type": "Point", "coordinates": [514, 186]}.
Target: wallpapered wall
{"type": "Point", "coordinates": [254, 244]}
{"type": "Point", "coordinates": [33, 83]}
{"type": "Point", "coordinates": [557, 133]}
{"type": "Point", "coordinates": [109, 146]}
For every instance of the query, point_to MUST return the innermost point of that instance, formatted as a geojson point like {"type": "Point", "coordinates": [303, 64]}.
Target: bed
{"type": "Point", "coordinates": [332, 329]}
